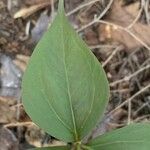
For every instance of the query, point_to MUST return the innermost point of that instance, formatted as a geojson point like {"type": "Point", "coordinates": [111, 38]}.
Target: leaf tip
{"type": "Point", "coordinates": [61, 6]}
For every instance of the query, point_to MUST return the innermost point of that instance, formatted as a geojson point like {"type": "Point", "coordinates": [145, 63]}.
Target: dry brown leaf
{"type": "Point", "coordinates": [91, 37]}
{"type": "Point", "coordinates": [25, 12]}
{"type": "Point", "coordinates": [133, 8]}
{"type": "Point", "coordinates": [21, 61]}
{"type": "Point", "coordinates": [124, 16]}
{"type": "Point", "coordinates": [9, 101]}
{"type": "Point", "coordinates": [34, 135]}
{"type": "Point", "coordinates": [22, 58]}
{"type": "Point", "coordinates": [7, 114]}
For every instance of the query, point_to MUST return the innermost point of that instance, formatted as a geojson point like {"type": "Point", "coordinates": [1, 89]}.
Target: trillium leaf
{"type": "Point", "coordinates": [132, 137]}
{"type": "Point", "coordinates": [65, 89]}
{"type": "Point", "coordinates": [52, 148]}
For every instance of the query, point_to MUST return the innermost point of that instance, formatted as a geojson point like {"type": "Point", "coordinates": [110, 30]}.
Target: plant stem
{"type": "Point", "coordinates": [78, 147]}
{"type": "Point", "coordinates": [86, 147]}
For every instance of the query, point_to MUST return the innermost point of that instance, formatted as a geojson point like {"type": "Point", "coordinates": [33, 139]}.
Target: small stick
{"type": "Point", "coordinates": [130, 99]}
{"type": "Point", "coordinates": [18, 124]}
{"type": "Point", "coordinates": [127, 78]}
{"type": "Point", "coordinates": [112, 55]}
{"type": "Point", "coordinates": [96, 19]}
{"type": "Point", "coordinates": [81, 6]}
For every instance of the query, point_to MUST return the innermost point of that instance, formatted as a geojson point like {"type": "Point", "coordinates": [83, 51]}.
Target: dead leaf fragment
{"type": "Point", "coordinates": [133, 9]}
{"type": "Point", "coordinates": [25, 12]}
{"type": "Point", "coordinates": [21, 61]}
{"type": "Point", "coordinates": [7, 114]}
{"type": "Point", "coordinates": [91, 37]}
{"type": "Point", "coordinates": [8, 140]}
{"type": "Point", "coordinates": [124, 16]}
{"type": "Point", "coordinates": [34, 135]}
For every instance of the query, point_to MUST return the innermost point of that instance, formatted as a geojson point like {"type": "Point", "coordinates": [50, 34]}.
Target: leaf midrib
{"type": "Point", "coordinates": [67, 82]}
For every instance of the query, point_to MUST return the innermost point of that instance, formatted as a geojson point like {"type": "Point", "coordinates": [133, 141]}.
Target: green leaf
{"type": "Point", "coordinates": [52, 148]}
{"type": "Point", "coordinates": [132, 137]}
{"type": "Point", "coordinates": [65, 89]}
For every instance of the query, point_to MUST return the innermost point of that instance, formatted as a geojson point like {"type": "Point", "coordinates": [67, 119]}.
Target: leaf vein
{"type": "Point", "coordinates": [53, 109]}
{"type": "Point", "coordinates": [68, 88]}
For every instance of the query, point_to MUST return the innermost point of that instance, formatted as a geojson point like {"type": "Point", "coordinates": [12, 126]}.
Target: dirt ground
{"type": "Point", "coordinates": [118, 34]}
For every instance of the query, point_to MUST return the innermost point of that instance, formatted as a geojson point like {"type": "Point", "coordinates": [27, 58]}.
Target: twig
{"type": "Point", "coordinates": [139, 109]}
{"type": "Point", "coordinates": [81, 6]}
{"type": "Point", "coordinates": [96, 19]}
{"type": "Point", "coordinates": [9, 5]}
{"type": "Point", "coordinates": [112, 55]}
{"type": "Point", "coordinates": [133, 70]}
{"type": "Point", "coordinates": [127, 78]}
{"type": "Point", "coordinates": [130, 99]}
{"type": "Point", "coordinates": [27, 29]}
{"type": "Point", "coordinates": [136, 19]}
{"type": "Point", "coordinates": [127, 60]}
{"type": "Point", "coordinates": [147, 61]}
{"type": "Point", "coordinates": [17, 105]}
{"type": "Point", "coordinates": [120, 91]}
{"type": "Point", "coordinates": [146, 10]}
{"type": "Point", "coordinates": [138, 15]}
{"type": "Point", "coordinates": [141, 118]}
{"type": "Point", "coordinates": [18, 124]}
{"type": "Point", "coordinates": [102, 46]}
{"type": "Point", "coordinates": [129, 112]}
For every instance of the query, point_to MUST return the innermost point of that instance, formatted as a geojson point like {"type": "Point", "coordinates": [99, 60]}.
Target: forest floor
{"type": "Point", "coordinates": [116, 31]}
